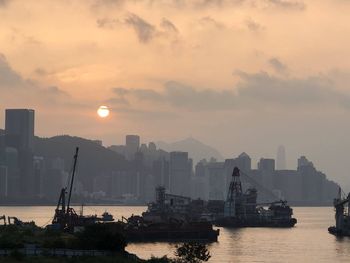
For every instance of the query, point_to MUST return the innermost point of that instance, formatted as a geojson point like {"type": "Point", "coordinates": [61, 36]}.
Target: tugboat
{"type": "Point", "coordinates": [241, 209]}
{"type": "Point", "coordinates": [342, 216]}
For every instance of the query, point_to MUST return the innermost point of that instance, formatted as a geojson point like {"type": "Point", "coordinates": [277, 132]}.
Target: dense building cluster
{"type": "Point", "coordinates": [26, 176]}
{"type": "Point", "coordinates": [21, 172]}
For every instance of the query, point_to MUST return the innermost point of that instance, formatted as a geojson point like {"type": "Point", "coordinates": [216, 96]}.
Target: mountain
{"type": "Point", "coordinates": [93, 159]}
{"type": "Point", "coordinates": [196, 149]}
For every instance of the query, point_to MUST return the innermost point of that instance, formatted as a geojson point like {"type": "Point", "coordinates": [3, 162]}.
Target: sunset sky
{"type": "Point", "coordinates": [239, 75]}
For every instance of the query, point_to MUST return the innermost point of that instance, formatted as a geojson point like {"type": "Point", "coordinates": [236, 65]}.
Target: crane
{"type": "Point", "coordinates": [64, 214]}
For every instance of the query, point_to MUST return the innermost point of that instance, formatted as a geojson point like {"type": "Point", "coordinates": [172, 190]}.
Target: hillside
{"type": "Point", "coordinates": [93, 159]}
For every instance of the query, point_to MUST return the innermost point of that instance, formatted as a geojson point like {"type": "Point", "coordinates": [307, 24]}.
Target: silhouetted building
{"type": "Point", "coordinates": [132, 144]}
{"type": "Point", "coordinates": [161, 173]}
{"type": "Point", "coordinates": [19, 132]}
{"type": "Point", "coordinates": [180, 173]}
{"type": "Point", "coordinates": [19, 128]}
{"type": "Point", "coordinates": [216, 176]}
{"type": "Point", "coordinates": [244, 162]}
{"type": "Point", "coordinates": [266, 167]}
{"type": "Point", "coordinates": [3, 181]}
{"type": "Point", "coordinates": [281, 158]}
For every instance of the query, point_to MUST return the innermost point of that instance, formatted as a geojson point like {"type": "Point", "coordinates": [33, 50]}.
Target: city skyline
{"type": "Point", "coordinates": [33, 169]}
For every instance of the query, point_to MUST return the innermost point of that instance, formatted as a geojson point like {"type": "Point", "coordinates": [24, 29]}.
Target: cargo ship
{"type": "Point", "coordinates": [242, 210]}
{"type": "Point", "coordinates": [342, 216]}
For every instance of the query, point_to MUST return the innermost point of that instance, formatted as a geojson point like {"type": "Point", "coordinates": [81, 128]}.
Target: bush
{"type": "Point", "coordinates": [192, 253]}
{"type": "Point", "coordinates": [17, 255]}
{"type": "Point", "coordinates": [163, 259]}
{"type": "Point", "coordinates": [103, 237]}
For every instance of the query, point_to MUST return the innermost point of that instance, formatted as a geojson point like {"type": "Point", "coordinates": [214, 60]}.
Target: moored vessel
{"type": "Point", "coordinates": [242, 210]}
{"type": "Point", "coordinates": [342, 216]}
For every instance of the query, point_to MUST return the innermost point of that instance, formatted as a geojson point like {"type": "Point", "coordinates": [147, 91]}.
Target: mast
{"type": "Point", "coordinates": [73, 174]}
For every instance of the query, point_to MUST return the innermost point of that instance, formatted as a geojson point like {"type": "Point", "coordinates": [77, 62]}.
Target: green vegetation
{"type": "Point", "coordinates": [94, 237]}
{"type": "Point", "coordinates": [192, 253]}
{"type": "Point", "coordinates": [43, 259]}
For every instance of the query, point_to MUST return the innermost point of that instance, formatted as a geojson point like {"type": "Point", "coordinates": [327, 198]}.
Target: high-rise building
{"type": "Point", "coordinates": [19, 128]}
{"type": "Point", "coordinates": [244, 162]}
{"type": "Point", "coordinates": [3, 181]}
{"type": "Point", "coordinates": [19, 132]}
{"type": "Point", "coordinates": [266, 165]}
{"type": "Point", "coordinates": [180, 173]}
{"type": "Point", "coordinates": [281, 158]}
{"type": "Point", "coordinates": [132, 145]}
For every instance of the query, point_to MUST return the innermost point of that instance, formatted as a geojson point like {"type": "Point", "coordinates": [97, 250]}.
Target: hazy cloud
{"type": "Point", "coordinates": [144, 30]}
{"type": "Point", "coordinates": [254, 90]}
{"type": "Point", "coordinates": [26, 90]}
{"type": "Point", "coordinates": [253, 25]}
{"type": "Point", "coordinates": [209, 21]}
{"type": "Point", "coordinates": [4, 3]}
{"type": "Point", "coordinates": [168, 26]}
{"type": "Point", "coordinates": [8, 77]}
{"type": "Point", "coordinates": [277, 65]}
{"type": "Point", "coordinates": [107, 23]}
{"type": "Point", "coordinates": [286, 4]}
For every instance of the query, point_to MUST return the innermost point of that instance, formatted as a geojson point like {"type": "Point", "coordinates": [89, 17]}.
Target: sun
{"type": "Point", "coordinates": [103, 111]}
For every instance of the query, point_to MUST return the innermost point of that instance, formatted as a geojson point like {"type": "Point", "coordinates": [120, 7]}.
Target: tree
{"type": "Point", "coordinates": [192, 252]}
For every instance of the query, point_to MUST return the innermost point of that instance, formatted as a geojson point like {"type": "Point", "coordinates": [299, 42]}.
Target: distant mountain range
{"type": "Point", "coordinates": [196, 149]}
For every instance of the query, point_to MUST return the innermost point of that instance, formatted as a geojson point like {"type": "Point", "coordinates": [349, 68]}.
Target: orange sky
{"type": "Point", "coordinates": [240, 75]}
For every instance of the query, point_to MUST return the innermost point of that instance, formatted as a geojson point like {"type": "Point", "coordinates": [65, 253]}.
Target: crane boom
{"type": "Point", "coordinates": [73, 174]}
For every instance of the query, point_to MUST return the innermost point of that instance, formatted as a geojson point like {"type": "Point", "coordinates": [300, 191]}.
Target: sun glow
{"type": "Point", "coordinates": [103, 111]}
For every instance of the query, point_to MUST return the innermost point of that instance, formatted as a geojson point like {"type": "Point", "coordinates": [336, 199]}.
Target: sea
{"type": "Point", "coordinates": [308, 241]}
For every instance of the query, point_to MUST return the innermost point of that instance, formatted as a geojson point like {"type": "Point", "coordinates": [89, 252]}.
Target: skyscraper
{"type": "Point", "coordinates": [132, 145]}
{"type": "Point", "coordinates": [19, 128]}
{"type": "Point", "coordinates": [19, 134]}
{"type": "Point", "coordinates": [180, 169]}
{"type": "Point", "coordinates": [281, 158]}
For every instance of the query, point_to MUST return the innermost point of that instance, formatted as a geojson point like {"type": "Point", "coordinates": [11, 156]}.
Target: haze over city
{"type": "Point", "coordinates": [240, 76]}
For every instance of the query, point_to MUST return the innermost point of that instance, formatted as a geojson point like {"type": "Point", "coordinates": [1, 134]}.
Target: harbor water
{"type": "Point", "coordinates": [308, 241]}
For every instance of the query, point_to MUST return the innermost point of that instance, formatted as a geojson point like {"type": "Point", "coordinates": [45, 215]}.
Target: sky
{"type": "Point", "coordinates": [238, 75]}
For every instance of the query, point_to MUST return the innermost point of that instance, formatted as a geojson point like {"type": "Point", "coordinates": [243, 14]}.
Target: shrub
{"type": "Point", "coordinates": [192, 253]}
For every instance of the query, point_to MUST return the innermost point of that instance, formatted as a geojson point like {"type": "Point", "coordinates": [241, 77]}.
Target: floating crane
{"type": "Point", "coordinates": [342, 216]}
{"type": "Point", "coordinates": [241, 209]}
{"type": "Point", "coordinates": [65, 216]}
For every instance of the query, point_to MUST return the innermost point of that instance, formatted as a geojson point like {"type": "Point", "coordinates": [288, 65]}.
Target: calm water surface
{"type": "Point", "coordinates": [308, 241]}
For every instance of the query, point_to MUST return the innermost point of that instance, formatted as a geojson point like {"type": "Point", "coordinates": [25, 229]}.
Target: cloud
{"type": "Point", "coordinates": [277, 65]}
{"type": "Point", "coordinates": [8, 77]}
{"type": "Point", "coordinates": [254, 91]}
{"type": "Point", "coordinates": [200, 4]}
{"type": "Point", "coordinates": [209, 21]}
{"type": "Point", "coordinates": [19, 90]}
{"type": "Point", "coordinates": [107, 23]}
{"type": "Point", "coordinates": [253, 25]}
{"type": "Point", "coordinates": [286, 4]}
{"type": "Point", "coordinates": [167, 25]}
{"type": "Point", "coordinates": [144, 30]}
{"type": "Point", "coordinates": [4, 3]}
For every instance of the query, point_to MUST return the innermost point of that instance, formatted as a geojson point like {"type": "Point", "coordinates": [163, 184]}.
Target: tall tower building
{"type": "Point", "coordinates": [19, 128]}
{"type": "Point", "coordinates": [281, 158]}
{"type": "Point", "coordinates": [19, 134]}
{"type": "Point", "coordinates": [180, 169]}
{"type": "Point", "coordinates": [132, 145]}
